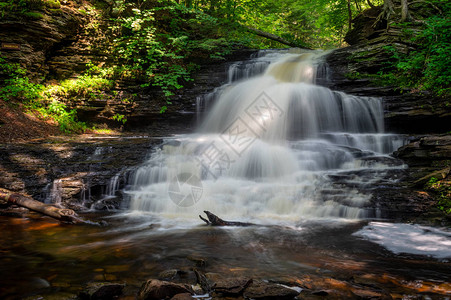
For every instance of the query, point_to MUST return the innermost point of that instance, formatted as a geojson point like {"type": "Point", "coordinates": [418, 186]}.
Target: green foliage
{"type": "Point", "coordinates": [442, 188]}
{"type": "Point", "coordinates": [120, 118]}
{"type": "Point", "coordinates": [33, 15]}
{"type": "Point", "coordinates": [20, 7]}
{"type": "Point", "coordinates": [16, 85]}
{"type": "Point", "coordinates": [147, 56]}
{"type": "Point", "coordinates": [52, 3]}
{"type": "Point", "coordinates": [87, 86]}
{"type": "Point", "coordinates": [67, 119]}
{"type": "Point", "coordinates": [428, 67]}
{"type": "Point", "coordinates": [17, 88]}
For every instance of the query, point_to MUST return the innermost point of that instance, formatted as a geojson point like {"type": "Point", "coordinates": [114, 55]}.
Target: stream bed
{"type": "Point", "coordinates": [42, 257]}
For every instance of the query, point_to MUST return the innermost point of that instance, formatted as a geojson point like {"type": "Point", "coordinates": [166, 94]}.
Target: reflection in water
{"type": "Point", "coordinates": [41, 258]}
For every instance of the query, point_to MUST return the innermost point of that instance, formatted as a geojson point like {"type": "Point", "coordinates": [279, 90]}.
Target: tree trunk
{"type": "Point", "coordinates": [349, 15]}
{"type": "Point", "coordinates": [61, 214]}
{"type": "Point", "coordinates": [273, 37]}
{"type": "Point", "coordinates": [405, 16]}
{"type": "Point", "coordinates": [389, 8]}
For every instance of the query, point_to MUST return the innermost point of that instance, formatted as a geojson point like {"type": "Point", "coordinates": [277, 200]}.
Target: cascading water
{"type": "Point", "coordinates": [273, 145]}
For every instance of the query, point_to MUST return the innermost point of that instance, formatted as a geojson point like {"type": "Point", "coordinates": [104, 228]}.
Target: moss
{"type": "Point", "coordinates": [55, 10]}
{"type": "Point", "coordinates": [53, 4]}
{"type": "Point", "coordinates": [33, 15]}
{"type": "Point", "coordinates": [442, 189]}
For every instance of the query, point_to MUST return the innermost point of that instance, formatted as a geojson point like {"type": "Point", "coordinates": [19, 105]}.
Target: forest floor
{"type": "Point", "coordinates": [17, 125]}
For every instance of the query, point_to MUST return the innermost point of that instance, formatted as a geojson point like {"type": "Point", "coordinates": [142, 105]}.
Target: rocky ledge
{"type": "Point", "coordinates": [74, 171]}
{"type": "Point", "coordinates": [354, 70]}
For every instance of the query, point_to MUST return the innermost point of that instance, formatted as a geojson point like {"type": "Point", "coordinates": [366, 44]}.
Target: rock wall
{"type": "Point", "coordinates": [352, 68]}
{"type": "Point", "coordinates": [41, 37]}
{"type": "Point", "coordinates": [75, 172]}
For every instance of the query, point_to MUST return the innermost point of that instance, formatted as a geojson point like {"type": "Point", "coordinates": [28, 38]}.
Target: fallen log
{"type": "Point", "coordinates": [62, 214]}
{"type": "Point", "coordinates": [214, 220]}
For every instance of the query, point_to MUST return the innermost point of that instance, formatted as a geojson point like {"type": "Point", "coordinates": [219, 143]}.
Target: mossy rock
{"type": "Point", "coordinates": [33, 15]}
{"type": "Point", "coordinates": [55, 4]}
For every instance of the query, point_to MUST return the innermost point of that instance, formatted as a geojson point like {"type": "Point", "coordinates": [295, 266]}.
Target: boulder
{"type": "Point", "coordinates": [157, 289]}
{"type": "Point", "coordinates": [102, 290]}
{"type": "Point", "coordinates": [184, 296]}
{"type": "Point", "coordinates": [232, 286]}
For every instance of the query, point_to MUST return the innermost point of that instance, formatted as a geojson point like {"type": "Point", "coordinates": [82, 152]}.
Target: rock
{"type": "Point", "coordinates": [427, 151]}
{"type": "Point", "coordinates": [440, 174]}
{"type": "Point", "coordinates": [199, 261]}
{"type": "Point", "coordinates": [168, 274]}
{"type": "Point", "coordinates": [265, 290]}
{"type": "Point", "coordinates": [320, 293]}
{"type": "Point", "coordinates": [354, 70]}
{"type": "Point", "coordinates": [363, 29]}
{"type": "Point", "coordinates": [69, 170]}
{"type": "Point", "coordinates": [157, 289]}
{"type": "Point", "coordinates": [184, 296]}
{"type": "Point", "coordinates": [102, 290]}
{"type": "Point", "coordinates": [214, 277]}
{"type": "Point", "coordinates": [232, 286]}
{"type": "Point", "coordinates": [39, 283]}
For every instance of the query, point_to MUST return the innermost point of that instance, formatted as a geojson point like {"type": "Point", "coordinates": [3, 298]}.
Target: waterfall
{"type": "Point", "coordinates": [273, 145]}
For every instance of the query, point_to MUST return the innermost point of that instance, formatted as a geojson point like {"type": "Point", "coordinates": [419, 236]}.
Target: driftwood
{"type": "Point", "coordinates": [214, 220]}
{"type": "Point", "coordinates": [273, 37]}
{"type": "Point", "coordinates": [61, 214]}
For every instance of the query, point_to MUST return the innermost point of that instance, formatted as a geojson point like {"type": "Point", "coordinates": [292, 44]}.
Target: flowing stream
{"type": "Point", "coordinates": [273, 147]}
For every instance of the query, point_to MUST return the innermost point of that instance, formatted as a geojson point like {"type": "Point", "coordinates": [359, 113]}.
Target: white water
{"type": "Point", "coordinates": [270, 147]}
{"type": "Point", "coordinates": [409, 238]}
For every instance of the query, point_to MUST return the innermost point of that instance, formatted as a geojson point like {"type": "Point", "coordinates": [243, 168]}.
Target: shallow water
{"type": "Point", "coordinates": [42, 257]}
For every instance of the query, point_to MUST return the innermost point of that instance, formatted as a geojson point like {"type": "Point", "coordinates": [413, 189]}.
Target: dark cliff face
{"type": "Point", "coordinates": [353, 71]}
{"type": "Point", "coordinates": [41, 39]}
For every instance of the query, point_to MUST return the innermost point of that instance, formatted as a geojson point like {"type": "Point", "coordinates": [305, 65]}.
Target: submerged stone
{"type": "Point", "coordinates": [102, 290]}
{"type": "Point", "coordinates": [265, 290]}
{"type": "Point", "coordinates": [232, 286]}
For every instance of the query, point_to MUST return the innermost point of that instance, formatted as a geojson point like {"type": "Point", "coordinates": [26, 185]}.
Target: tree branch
{"type": "Point", "coordinates": [273, 37]}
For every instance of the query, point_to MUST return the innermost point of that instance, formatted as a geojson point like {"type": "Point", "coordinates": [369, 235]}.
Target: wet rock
{"type": "Point", "coordinates": [320, 293]}
{"type": "Point", "coordinates": [102, 290]}
{"type": "Point", "coordinates": [53, 296]}
{"type": "Point", "coordinates": [214, 277]}
{"type": "Point", "coordinates": [204, 283]}
{"type": "Point", "coordinates": [12, 211]}
{"type": "Point", "coordinates": [232, 286]}
{"type": "Point", "coordinates": [39, 283]}
{"type": "Point", "coordinates": [168, 274]}
{"type": "Point", "coordinates": [74, 172]}
{"type": "Point", "coordinates": [184, 296]}
{"type": "Point", "coordinates": [157, 289]}
{"type": "Point", "coordinates": [199, 261]}
{"type": "Point", "coordinates": [265, 290]}
{"type": "Point", "coordinates": [430, 151]}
